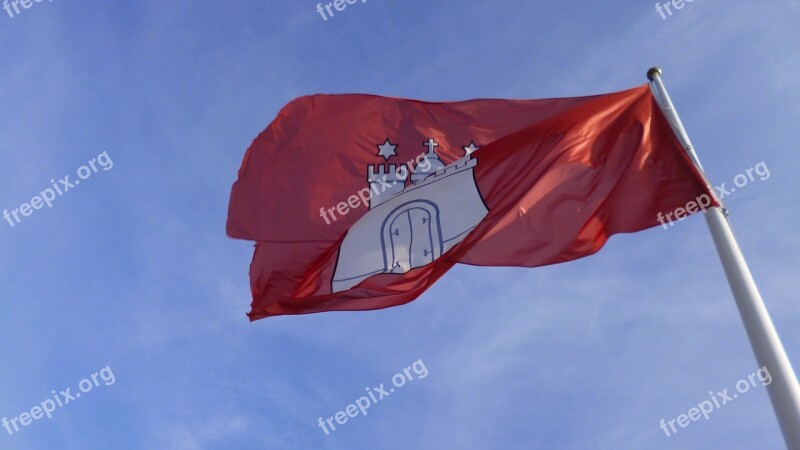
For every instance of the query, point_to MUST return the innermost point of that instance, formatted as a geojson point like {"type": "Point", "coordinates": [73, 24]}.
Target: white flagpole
{"type": "Point", "coordinates": [784, 391]}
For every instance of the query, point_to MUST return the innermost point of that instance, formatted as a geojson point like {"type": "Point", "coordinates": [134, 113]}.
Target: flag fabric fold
{"type": "Point", "coordinates": [360, 202]}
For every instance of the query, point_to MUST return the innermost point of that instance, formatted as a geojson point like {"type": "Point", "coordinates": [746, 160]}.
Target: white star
{"type": "Point", "coordinates": [471, 148]}
{"type": "Point", "coordinates": [386, 149]}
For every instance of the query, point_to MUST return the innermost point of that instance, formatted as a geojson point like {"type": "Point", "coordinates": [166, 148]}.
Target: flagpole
{"type": "Point", "coordinates": [784, 391]}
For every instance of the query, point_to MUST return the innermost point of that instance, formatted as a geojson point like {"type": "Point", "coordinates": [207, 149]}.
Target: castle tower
{"type": "Point", "coordinates": [384, 183]}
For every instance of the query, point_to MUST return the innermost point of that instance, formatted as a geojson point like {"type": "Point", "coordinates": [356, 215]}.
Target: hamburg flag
{"type": "Point", "coordinates": [360, 202]}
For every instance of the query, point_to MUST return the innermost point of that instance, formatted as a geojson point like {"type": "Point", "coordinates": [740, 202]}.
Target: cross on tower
{"type": "Point", "coordinates": [431, 144]}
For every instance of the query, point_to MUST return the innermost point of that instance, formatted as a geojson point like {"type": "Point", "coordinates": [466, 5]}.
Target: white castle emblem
{"type": "Point", "coordinates": [410, 226]}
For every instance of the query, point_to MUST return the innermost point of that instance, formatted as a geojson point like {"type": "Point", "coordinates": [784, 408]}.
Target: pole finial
{"type": "Point", "coordinates": [653, 72]}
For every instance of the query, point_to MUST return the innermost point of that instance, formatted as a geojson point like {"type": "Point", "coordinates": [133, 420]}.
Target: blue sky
{"type": "Point", "coordinates": [132, 269]}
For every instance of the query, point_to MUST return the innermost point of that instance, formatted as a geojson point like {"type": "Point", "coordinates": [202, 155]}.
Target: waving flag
{"type": "Point", "coordinates": [360, 202]}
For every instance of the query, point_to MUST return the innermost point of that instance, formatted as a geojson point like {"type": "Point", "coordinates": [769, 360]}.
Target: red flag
{"type": "Point", "coordinates": [361, 202]}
